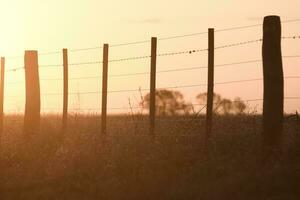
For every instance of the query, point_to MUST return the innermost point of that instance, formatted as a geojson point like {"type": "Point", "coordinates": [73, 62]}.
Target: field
{"type": "Point", "coordinates": [129, 164]}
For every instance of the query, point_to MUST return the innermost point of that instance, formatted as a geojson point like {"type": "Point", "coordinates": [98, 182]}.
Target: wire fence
{"type": "Point", "coordinates": [160, 39]}
{"type": "Point", "coordinates": [167, 54]}
{"type": "Point", "coordinates": [145, 73]}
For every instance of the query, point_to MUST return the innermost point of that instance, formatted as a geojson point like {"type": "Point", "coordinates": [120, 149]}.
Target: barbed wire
{"type": "Point", "coordinates": [239, 44]}
{"type": "Point", "coordinates": [158, 72]}
{"type": "Point", "coordinates": [188, 51]}
{"type": "Point", "coordinates": [291, 37]}
{"type": "Point", "coordinates": [180, 36]}
{"type": "Point", "coordinates": [192, 51]}
{"type": "Point", "coordinates": [147, 73]}
{"type": "Point", "coordinates": [14, 69]}
{"type": "Point", "coordinates": [159, 54]}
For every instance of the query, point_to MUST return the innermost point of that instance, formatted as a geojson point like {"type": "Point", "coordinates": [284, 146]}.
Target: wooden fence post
{"type": "Point", "coordinates": [210, 85]}
{"type": "Point", "coordinates": [2, 96]}
{"type": "Point", "coordinates": [33, 102]}
{"type": "Point", "coordinates": [153, 85]}
{"type": "Point", "coordinates": [273, 88]}
{"type": "Point", "coordinates": [104, 88]}
{"type": "Point", "coordinates": [66, 91]}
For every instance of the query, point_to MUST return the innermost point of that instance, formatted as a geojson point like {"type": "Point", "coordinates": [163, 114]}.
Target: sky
{"type": "Point", "coordinates": [50, 25]}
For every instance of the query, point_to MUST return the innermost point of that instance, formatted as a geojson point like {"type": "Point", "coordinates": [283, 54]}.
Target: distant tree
{"type": "Point", "coordinates": [202, 98]}
{"type": "Point", "coordinates": [224, 105]}
{"type": "Point", "coordinates": [168, 103]}
{"type": "Point", "coordinates": [239, 105]}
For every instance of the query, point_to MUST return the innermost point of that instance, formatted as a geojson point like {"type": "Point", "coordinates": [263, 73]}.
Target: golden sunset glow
{"type": "Point", "coordinates": [49, 26]}
{"type": "Point", "coordinates": [149, 99]}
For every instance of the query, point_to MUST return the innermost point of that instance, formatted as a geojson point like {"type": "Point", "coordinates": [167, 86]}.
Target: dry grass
{"type": "Point", "coordinates": [128, 164]}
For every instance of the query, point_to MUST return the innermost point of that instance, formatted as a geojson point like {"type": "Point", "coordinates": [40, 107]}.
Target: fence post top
{"type": "Point", "coordinates": [31, 52]}
{"type": "Point", "coordinates": [2, 62]}
{"type": "Point", "coordinates": [272, 24]}
{"type": "Point", "coordinates": [211, 29]}
{"type": "Point", "coordinates": [272, 19]}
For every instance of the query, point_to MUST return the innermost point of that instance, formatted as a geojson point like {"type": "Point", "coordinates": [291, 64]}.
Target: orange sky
{"type": "Point", "coordinates": [51, 25]}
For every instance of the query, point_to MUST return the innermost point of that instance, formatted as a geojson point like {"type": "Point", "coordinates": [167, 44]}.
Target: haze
{"type": "Point", "coordinates": [51, 25]}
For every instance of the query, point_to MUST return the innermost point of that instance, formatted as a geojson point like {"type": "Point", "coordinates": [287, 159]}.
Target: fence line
{"type": "Point", "coordinates": [178, 69]}
{"type": "Point", "coordinates": [98, 109]}
{"type": "Point", "coordinates": [158, 72]}
{"type": "Point", "coordinates": [159, 54]}
{"type": "Point", "coordinates": [166, 87]}
{"type": "Point", "coordinates": [159, 39]}
{"type": "Point", "coordinates": [270, 45]}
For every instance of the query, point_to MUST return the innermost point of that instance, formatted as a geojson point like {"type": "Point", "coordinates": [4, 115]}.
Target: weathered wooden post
{"type": "Point", "coordinates": [66, 91]}
{"type": "Point", "coordinates": [33, 102]}
{"type": "Point", "coordinates": [153, 85]}
{"type": "Point", "coordinates": [104, 88]}
{"type": "Point", "coordinates": [2, 96]}
{"type": "Point", "coordinates": [273, 88]}
{"type": "Point", "coordinates": [210, 84]}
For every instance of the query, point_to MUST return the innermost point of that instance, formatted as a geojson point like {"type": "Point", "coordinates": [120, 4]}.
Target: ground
{"type": "Point", "coordinates": [128, 163]}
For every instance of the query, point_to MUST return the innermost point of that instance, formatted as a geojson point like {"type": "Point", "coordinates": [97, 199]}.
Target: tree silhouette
{"type": "Point", "coordinates": [168, 103]}
{"type": "Point", "coordinates": [202, 99]}
{"type": "Point", "coordinates": [239, 105]}
{"type": "Point", "coordinates": [224, 105]}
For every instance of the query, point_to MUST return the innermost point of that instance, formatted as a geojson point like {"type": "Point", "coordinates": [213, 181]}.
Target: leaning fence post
{"type": "Point", "coordinates": [33, 102]}
{"type": "Point", "coordinates": [153, 84]}
{"type": "Point", "coordinates": [2, 96]}
{"type": "Point", "coordinates": [104, 89]}
{"type": "Point", "coordinates": [65, 95]}
{"type": "Point", "coordinates": [273, 87]}
{"type": "Point", "coordinates": [210, 84]}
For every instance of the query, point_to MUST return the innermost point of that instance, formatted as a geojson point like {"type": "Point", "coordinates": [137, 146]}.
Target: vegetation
{"type": "Point", "coordinates": [224, 105]}
{"type": "Point", "coordinates": [128, 164]}
{"type": "Point", "coordinates": [170, 102]}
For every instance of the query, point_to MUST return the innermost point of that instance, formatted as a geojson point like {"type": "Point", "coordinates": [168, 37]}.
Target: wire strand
{"type": "Point", "coordinates": [167, 87]}
{"type": "Point", "coordinates": [160, 39]}
{"type": "Point", "coordinates": [147, 73]}
{"type": "Point", "coordinates": [162, 54]}
{"type": "Point", "coordinates": [142, 107]}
